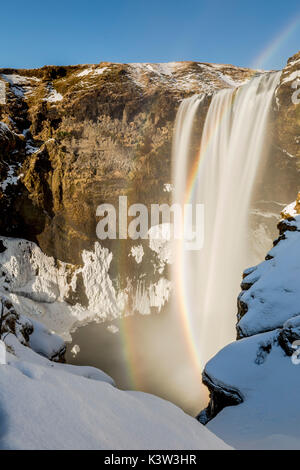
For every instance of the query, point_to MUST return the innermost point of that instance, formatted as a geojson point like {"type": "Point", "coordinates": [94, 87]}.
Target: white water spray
{"type": "Point", "coordinates": [233, 147]}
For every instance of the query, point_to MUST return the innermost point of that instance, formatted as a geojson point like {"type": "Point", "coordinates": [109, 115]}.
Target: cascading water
{"type": "Point", "coordinates": [233, 146]}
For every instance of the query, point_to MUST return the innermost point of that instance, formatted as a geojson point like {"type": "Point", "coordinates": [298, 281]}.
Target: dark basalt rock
{"type": "Point", "coordinates": [287, 336]}
{"type": "Point", "coordinates": [219, 398]}
{"type": "Point", "coordinates": [242, 308]}
{"type": "Point", "coordinates": [12, 323]}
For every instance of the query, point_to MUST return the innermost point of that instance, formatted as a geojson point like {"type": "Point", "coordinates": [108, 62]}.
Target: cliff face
{"type": "Point", "coordinates": [288, 110]}
{"type": "Point", "coordinates": [284, 167]}
{"type": "Point", "coordinates": [72, 138]}
{"type": "Point", "coordinates": [80, 136]}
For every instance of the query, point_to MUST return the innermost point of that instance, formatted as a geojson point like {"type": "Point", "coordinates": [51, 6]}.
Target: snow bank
{"type": "Point", "coordinates": [46, 405]}
{"type": "Point", "coordinates": [269, 383]}
{"type": "Point", "coordinates": [274, 295]}
{"type": "Point", "coordinates": [53, 95]}
{"type": "Point", "coordinates": [263, 367]}
{"type": "Point", "coordinates": [92, 71]}
{"type": "Point", "coordinates": [20, 85]}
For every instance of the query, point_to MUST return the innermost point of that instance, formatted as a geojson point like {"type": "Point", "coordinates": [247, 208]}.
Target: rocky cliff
{"type": "Point", "coordinates": [75, 137]}
{"type": "Point", "coordinates": [72, 138]}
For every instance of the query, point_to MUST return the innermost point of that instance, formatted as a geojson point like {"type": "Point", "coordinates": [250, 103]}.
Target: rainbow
{"type": "Point", "coordinates": [268, 52]}
{"type": "Point", "coordinates": [273, 46]}
{"type": "Point", "coordinates": [191, 341]}
{"type": "Point", "coordinates": [185, 317]}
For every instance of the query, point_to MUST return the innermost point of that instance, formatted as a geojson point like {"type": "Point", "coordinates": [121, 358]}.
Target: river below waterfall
{"type": "Point", "coordinates": [151, 364]}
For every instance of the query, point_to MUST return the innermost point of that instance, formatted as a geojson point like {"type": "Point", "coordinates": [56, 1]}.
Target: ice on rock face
{"type": "Point", "coordinates": [41, 287]}
{"type": "Point", "coordinates": [137, 252]}
{"type": "Point", "coordinates": [160, 241]}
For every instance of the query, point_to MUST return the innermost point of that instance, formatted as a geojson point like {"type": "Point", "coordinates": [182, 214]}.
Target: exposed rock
{"type": "Point", "coordinates": [30, 333]}
{"type": "Point", "coordinates": [220, 397]}
{"type": "Point", "coordinates": [288, 112]}
{"type": "Point", "coordinates": [284, 135]}
{"type": "Point", "coordinates": [91, 134]}
{"type": "Point", "coordinates": [266, 305]}
{"type": "Point", "coordinates": [13, 323]}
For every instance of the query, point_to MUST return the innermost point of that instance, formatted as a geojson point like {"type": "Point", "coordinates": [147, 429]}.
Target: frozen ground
{"type": "Point", "coordinates": [46, 405]}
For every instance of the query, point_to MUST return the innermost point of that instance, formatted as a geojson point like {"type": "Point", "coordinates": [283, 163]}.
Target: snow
{"type": "Point", "coordinates": [2, 93]}
{"type": "Point", "coordinates": [91, 70]}
{"type": "Point", "coordinates": [47, 405]}
{"type": "Point", "coordinates": [30, 149]}
{"type": "Point", "coordinates": [216, 69]}
{"type": "Point", "coordinates": [174, 75]}
{"type": "Point", "coordinates": [155, 295]}
{"type": "Point", "coordinates": [103, 298]}
{"type": "Point", "coordinates": [85, 72]}
{"type": "Point", "coordinates": [269, 384]}
{"type": "Point", "coordinates": [53, 95]}
{"type": "Point", "coordinates": [39, 287]}
{"type": "Point", "coordinates": [113, 329]}
{"type": "Point", "coordinates": [11, 178]}
{"type": "Point", "coordinates": [15, 79]}
{"type": "Point", "coordinates": [99, 71]}
{"type": "Point", "coordinates": [290, 210]}
{"type": "Point", "coordinates": [18, 91]}
{"type": "Point", "coordinates": [2, 353]}
{"type": "Point", "coordinates": [168, 187]}
{"type": "Point", "coordinates": [291, 77]}
{"type": "Point", "coordinates": [137, 252]}
{"type": "Point", "coordinates": [265, 375]}
{"type": "Point", "coordinates": [160, 241]}
{"type": "Point", "coordinates": [4, 129]}
{"type": "Point", "coordinates": [274, 296]}
{"type": "Point", "coordinates": [44, 342]}
{"type": "Point", "coordinates": [20, 85]}
{"type": "Point", "coordinates": [293, 62]}
{"type": "Point", "coordinates": [75, 350]}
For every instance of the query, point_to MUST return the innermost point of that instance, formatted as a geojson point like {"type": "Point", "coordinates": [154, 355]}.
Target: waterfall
{"type": "Point", "coordinates": [232, 150]}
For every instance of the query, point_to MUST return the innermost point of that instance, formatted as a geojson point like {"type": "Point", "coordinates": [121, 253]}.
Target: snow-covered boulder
{"type": "Point", "coordinates": [254, 382]}
{"type": "Point", "coordinates": [267, 382]}
{"type": "Point", "coordinates": [271, 292]}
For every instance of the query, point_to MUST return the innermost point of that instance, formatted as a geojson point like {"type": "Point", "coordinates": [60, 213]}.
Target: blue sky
{"type": "Point", "coordinates": [35, 33]}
